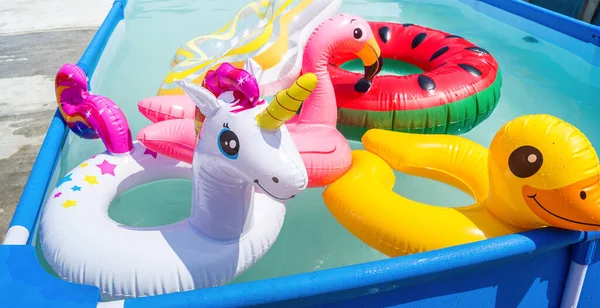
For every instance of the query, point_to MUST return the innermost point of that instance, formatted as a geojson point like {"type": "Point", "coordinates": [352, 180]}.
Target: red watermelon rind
{"type": "Point", "coordinates": [453, 118]}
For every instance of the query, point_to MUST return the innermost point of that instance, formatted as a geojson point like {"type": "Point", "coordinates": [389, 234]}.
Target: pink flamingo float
{"type": "Point", "coordinates": [324, 150]}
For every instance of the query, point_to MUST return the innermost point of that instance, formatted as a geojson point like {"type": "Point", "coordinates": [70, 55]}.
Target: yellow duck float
{"type": "Point", "coordinates": [539, 171]}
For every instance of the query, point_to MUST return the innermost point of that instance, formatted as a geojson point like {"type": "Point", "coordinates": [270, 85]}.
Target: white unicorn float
{"type": "Point", "coordinates": [245, 168]}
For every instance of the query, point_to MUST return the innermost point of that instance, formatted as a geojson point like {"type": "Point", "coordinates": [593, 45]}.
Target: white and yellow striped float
{"type": "Point", "coordinates": [272, 33]}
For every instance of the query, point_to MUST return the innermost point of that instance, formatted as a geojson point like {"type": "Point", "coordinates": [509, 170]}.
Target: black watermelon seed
{"type": "Point", "coordinates": [426, 83]}
{"type": "Point", "coordinates": [475, 72]}
{"type": "Point", "coordinates": [478, 50]}
{"type": "Point", "coordinates": [438, 53]}
{"type": "Point", "coordinates": [407, 25]}
{"type": "Point", "coordinates": [385, 34]}
{"type": "Point", "coordinates": [418, 40]}
{"type": "Point", "coordinates": [454, 36]}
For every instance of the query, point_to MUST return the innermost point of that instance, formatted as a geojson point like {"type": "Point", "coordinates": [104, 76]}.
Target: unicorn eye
{"type": "Point", "coordinates": [228, 143]}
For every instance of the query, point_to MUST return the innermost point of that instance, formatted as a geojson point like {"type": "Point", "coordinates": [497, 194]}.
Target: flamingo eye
{"type": "Point", "coordinates": [358, 33]}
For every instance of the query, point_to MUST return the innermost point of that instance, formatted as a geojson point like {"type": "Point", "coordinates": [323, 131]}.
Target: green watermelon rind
{"type": "Point", "coordinates": [454, 118]}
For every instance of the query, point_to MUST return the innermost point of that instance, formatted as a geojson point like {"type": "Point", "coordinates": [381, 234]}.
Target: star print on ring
{"type": "Point", "coordinates": [91, 179]}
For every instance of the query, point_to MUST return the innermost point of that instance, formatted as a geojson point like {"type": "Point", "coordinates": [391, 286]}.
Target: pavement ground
{"type": "Point", "coordinates": [36, 39]}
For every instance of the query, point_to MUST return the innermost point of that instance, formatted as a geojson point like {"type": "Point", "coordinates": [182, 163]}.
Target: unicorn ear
{"type": "Point", "coordinates": [253, 68]}
{"type": "Point", "coordinates": [204, 99]}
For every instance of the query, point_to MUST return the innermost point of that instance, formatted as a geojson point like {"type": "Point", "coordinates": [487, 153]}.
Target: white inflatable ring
{"type": "Point", "coordinates": [83, 245]}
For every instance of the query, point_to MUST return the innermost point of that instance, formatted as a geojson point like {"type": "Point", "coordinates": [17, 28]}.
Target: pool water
{"type": "Point", "coordinates": [537, 78]}
{"type": "Point", "coordinates": [390, 67]}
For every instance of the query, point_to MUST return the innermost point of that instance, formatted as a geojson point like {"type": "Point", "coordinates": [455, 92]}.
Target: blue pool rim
{"type": "Point", "coordinates": [578, 29]}
{"type": "Point", "coordinates": [21, 274]}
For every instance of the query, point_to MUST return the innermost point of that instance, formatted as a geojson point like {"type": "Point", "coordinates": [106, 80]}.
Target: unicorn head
{"type": "Point", "coordinates": [235, 144]}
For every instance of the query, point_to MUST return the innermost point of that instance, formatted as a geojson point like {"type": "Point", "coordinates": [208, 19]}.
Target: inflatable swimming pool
{"type": "Point", "coordinates": [337, 269]}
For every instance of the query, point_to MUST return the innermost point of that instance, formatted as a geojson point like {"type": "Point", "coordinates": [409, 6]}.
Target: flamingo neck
{"type": "Point", "coordinates": [320, 107]}
{"type": "Point", "coordinates": [221, 205]}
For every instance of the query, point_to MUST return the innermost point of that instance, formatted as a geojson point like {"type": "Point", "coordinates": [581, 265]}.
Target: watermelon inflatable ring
{"type": "Point", "coordinates": [458, 86]}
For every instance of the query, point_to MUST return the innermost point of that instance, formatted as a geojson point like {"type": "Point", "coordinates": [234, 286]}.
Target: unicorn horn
{"type": "Point", "coordinates": [287, 102]}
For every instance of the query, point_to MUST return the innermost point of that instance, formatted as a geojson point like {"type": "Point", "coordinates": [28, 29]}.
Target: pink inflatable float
{"type": "Point", "coordinates": [324, 150]}
{"type": "Point", "coordinates": [90, 116]}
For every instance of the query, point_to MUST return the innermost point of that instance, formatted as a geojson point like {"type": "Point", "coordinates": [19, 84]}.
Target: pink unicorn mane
{"type": "Point", "coordinates": [244, 86]}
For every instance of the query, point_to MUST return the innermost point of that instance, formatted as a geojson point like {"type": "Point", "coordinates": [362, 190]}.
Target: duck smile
{"type": "Point", "coordinates": [533, 197]}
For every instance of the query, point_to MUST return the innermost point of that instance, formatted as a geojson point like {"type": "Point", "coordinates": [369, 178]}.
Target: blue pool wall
{"type": "Point", "coordinates": [576, 36]}
{"type": "Point", "coordinates": [569, 8]}
{"type": "Point", "coordinates": [529, 269]}
{"type": "Point", "coordinates": [23, 281]}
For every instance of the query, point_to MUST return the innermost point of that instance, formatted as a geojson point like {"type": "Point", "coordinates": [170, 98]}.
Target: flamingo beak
{"type": "Point", "coordinates": [370, 55]}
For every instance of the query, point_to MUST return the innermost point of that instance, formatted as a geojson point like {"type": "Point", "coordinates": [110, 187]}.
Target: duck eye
{"type": "Point", "coordinates": [582, 195]}
{"type": "Point", "coordinates": [525, 161]}
{"type": "Point", "coordinates": [228, 143]}
{"type": "Point", "coordinates": [358, 33]}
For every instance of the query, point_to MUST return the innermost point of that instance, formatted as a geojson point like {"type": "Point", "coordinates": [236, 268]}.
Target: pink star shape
{"type": "Point", "coordinates": [107, 168]}
{"type": "Point", "coordinates": [148, 151]}
{"type": "Point", "coordinates": [56, 195]}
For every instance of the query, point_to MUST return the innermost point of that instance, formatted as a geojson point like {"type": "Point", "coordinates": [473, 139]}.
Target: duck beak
{"type": "Point", "coordinates": [573, 207]}
{"type": "Point", "coordinates": [370, 55]}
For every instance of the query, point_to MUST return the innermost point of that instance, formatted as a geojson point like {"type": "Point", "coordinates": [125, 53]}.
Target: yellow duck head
{"type": "Point", "coordinates": [544, 172]}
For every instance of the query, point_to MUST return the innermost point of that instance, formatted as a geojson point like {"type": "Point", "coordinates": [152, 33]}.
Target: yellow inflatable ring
{"type": "Point", "coordinates": [539, 171]}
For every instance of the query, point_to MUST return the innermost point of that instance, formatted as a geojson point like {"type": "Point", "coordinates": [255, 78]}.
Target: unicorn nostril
{"type": "Point", "coordinates": [582, 195]}
{"type": "Point", "coordinates": [275, 179]}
